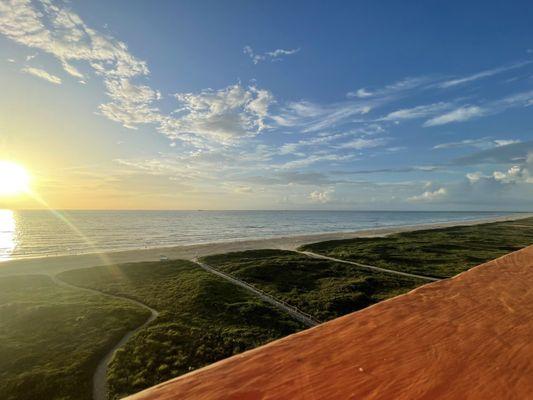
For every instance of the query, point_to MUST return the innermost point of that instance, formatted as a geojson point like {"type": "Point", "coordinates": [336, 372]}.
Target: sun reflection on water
{"type": "Point", "coordinates": [7, 234]}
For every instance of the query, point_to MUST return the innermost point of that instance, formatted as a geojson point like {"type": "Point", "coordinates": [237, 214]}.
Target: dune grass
{"type": "Point", "coordinates": [322, 288]}
{"type": "Point", "coordinates": [203, 319]}
{"type": "Point", "coordinates": [439, 253]}
{"type": "Point", "coordinates": [52, 337]}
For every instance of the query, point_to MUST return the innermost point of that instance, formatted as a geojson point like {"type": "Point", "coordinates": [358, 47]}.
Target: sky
{"type": "Point", "coordinates": [269, 105]}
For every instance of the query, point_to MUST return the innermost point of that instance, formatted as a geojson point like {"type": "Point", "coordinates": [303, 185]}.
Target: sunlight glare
{"type": "Point", "coordinates": [7, 234]}
{"type": "Point", "coordinates": [14, 179]}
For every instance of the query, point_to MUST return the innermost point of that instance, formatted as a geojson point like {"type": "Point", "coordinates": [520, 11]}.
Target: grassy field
{"type": "Point", "coordinates": [203, 319]}
{"type": "Point", "coordinates": [51, 337]}
{"type": "Point", "coordinates": [322, 288]}
{"type": "Point", "coordinates": [438, 252]}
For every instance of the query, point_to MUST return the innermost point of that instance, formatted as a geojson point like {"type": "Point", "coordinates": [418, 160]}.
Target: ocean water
{"type": "Point", "coordinates": [26, 234]}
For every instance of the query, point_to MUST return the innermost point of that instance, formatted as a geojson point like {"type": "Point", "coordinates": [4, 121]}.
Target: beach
{"type": "Point", "coordinates": [55, 264]}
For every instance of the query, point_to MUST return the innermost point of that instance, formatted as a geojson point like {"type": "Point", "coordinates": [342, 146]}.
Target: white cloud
{"type": "Point", "coordinates": [274, 55]}
{"type": "Point", "coordinates": [460, 114]}
{"type": "Point", "coordinates": [481, 75]}
{"type": "Point", "coordinates": [361, 143]}
{"type": "Point", "coordinates": [505, 142]}
{"type": "Point", "coordinates": [474, 177]}
{"type": "Point", "coordinates": [281, 52]}
{"type": "Point", "coordinates": [131, 104]}
{"type": "Point", "coordinates": [416, 112]}
{"type": "Point", "coordinates": [467, 112]}
{"type": "Point", "coordinates": [291, 148]}
{"type": "Point", "coordinates": [429, 195]}
{"type": "Point", "coordinates": [330, 146]}
{"type": "Point", "coordinates": [41, 73]}
{"type": "Point", "coordinates": [60, 32]}
{"type": "Point", "coordinates": [321, 196]}
{"type": "Point", "coordinates": [313, 159]}
{"type": "Point", "coordinates": [395, 88]}
{"type": "Point", "coordinates": [513, 174]}
{"type": "Point", "coordinates": [221, 115]}
{"type": "Point", "coordinates": [312, 117]}
{"type": "Point", "coordinates": [361, 93]}
{"type": "Point", "coordinates": [523, 99]}
{"type": "Point", "coordinates": [70, 69]}
{"type": "Point", "coordinates": [511, 188]}
{"type": "Point", "coordinates": [482, 143]}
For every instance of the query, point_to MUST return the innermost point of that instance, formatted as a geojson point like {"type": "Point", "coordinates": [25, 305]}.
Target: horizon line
{"type": "Point", "coordinates": [260, 209]}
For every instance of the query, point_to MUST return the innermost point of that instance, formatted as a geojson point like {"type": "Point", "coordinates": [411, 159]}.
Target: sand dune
{"type": "Point", "coordinates": [469, 337]}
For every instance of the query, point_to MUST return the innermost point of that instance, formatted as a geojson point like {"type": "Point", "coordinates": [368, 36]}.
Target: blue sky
{"type": "Point", "coordinates": [248, 104]}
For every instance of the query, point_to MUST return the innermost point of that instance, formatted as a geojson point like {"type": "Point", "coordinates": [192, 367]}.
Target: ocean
{"type": "Point", "coordinates": [25, 234]}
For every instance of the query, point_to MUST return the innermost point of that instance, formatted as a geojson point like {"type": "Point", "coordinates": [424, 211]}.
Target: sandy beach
{"type": "Point", "coordinates": [57, 264]}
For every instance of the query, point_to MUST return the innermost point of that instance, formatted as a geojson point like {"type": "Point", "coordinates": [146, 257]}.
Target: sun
{"type": "Point", "coordinates": [14, 179]}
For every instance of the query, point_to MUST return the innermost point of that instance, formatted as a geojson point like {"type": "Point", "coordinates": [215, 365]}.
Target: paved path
{"type": "Point", "coordinates": [293, 311]}
{"type": "Point", "coordinates": [389, 271]}
{"type": "Point", "coordinates": [100, 375]}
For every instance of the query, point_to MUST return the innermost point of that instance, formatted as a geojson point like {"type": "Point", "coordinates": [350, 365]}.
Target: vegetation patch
{"type": "Point", "coordinates": [52, 337]}
{"type": "Point", "coordinates": [203, 319]}
{"type": "Point", "coordinates": [325, 289]}
{"type": "Point", "coordinates": [439, 253]}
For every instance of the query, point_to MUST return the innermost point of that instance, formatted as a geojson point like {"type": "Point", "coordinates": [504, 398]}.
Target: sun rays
{"type": "Point", "coordinates": [14, 179]}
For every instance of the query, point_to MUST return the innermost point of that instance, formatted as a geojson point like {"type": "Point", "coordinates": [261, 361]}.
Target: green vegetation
{"type": "Point", "coordinates": [203, 319]}
{"type": "Point", "coordinates": [324, 289]}
{"type": "Point", "coordinates": [437, 252]}
{"type": "Point", "coordinates": [52, 337]}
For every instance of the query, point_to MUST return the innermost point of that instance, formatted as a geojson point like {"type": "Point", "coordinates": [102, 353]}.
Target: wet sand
{"type": "Point", "coordinates": [468, 337]}
{"type": "Point", "coordinates": [57, 264]}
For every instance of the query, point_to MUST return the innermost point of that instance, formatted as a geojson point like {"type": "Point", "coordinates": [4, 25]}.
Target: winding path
{"type": "Point", "coordinates": [389, 271]}
{"type": "Point", "coordinates": [297, 314]}
{"type": "Point", "coordinates": [100, 375]}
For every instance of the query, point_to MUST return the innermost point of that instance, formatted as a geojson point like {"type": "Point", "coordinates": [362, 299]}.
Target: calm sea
{"type": "Point", "coordinates": [43, 233]}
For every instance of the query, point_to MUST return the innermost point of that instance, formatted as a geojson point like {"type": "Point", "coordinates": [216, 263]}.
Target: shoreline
{"type": "Point", "coordinates": [95, 250]}
{"type": "Point", "coordinates": [52, 265]}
